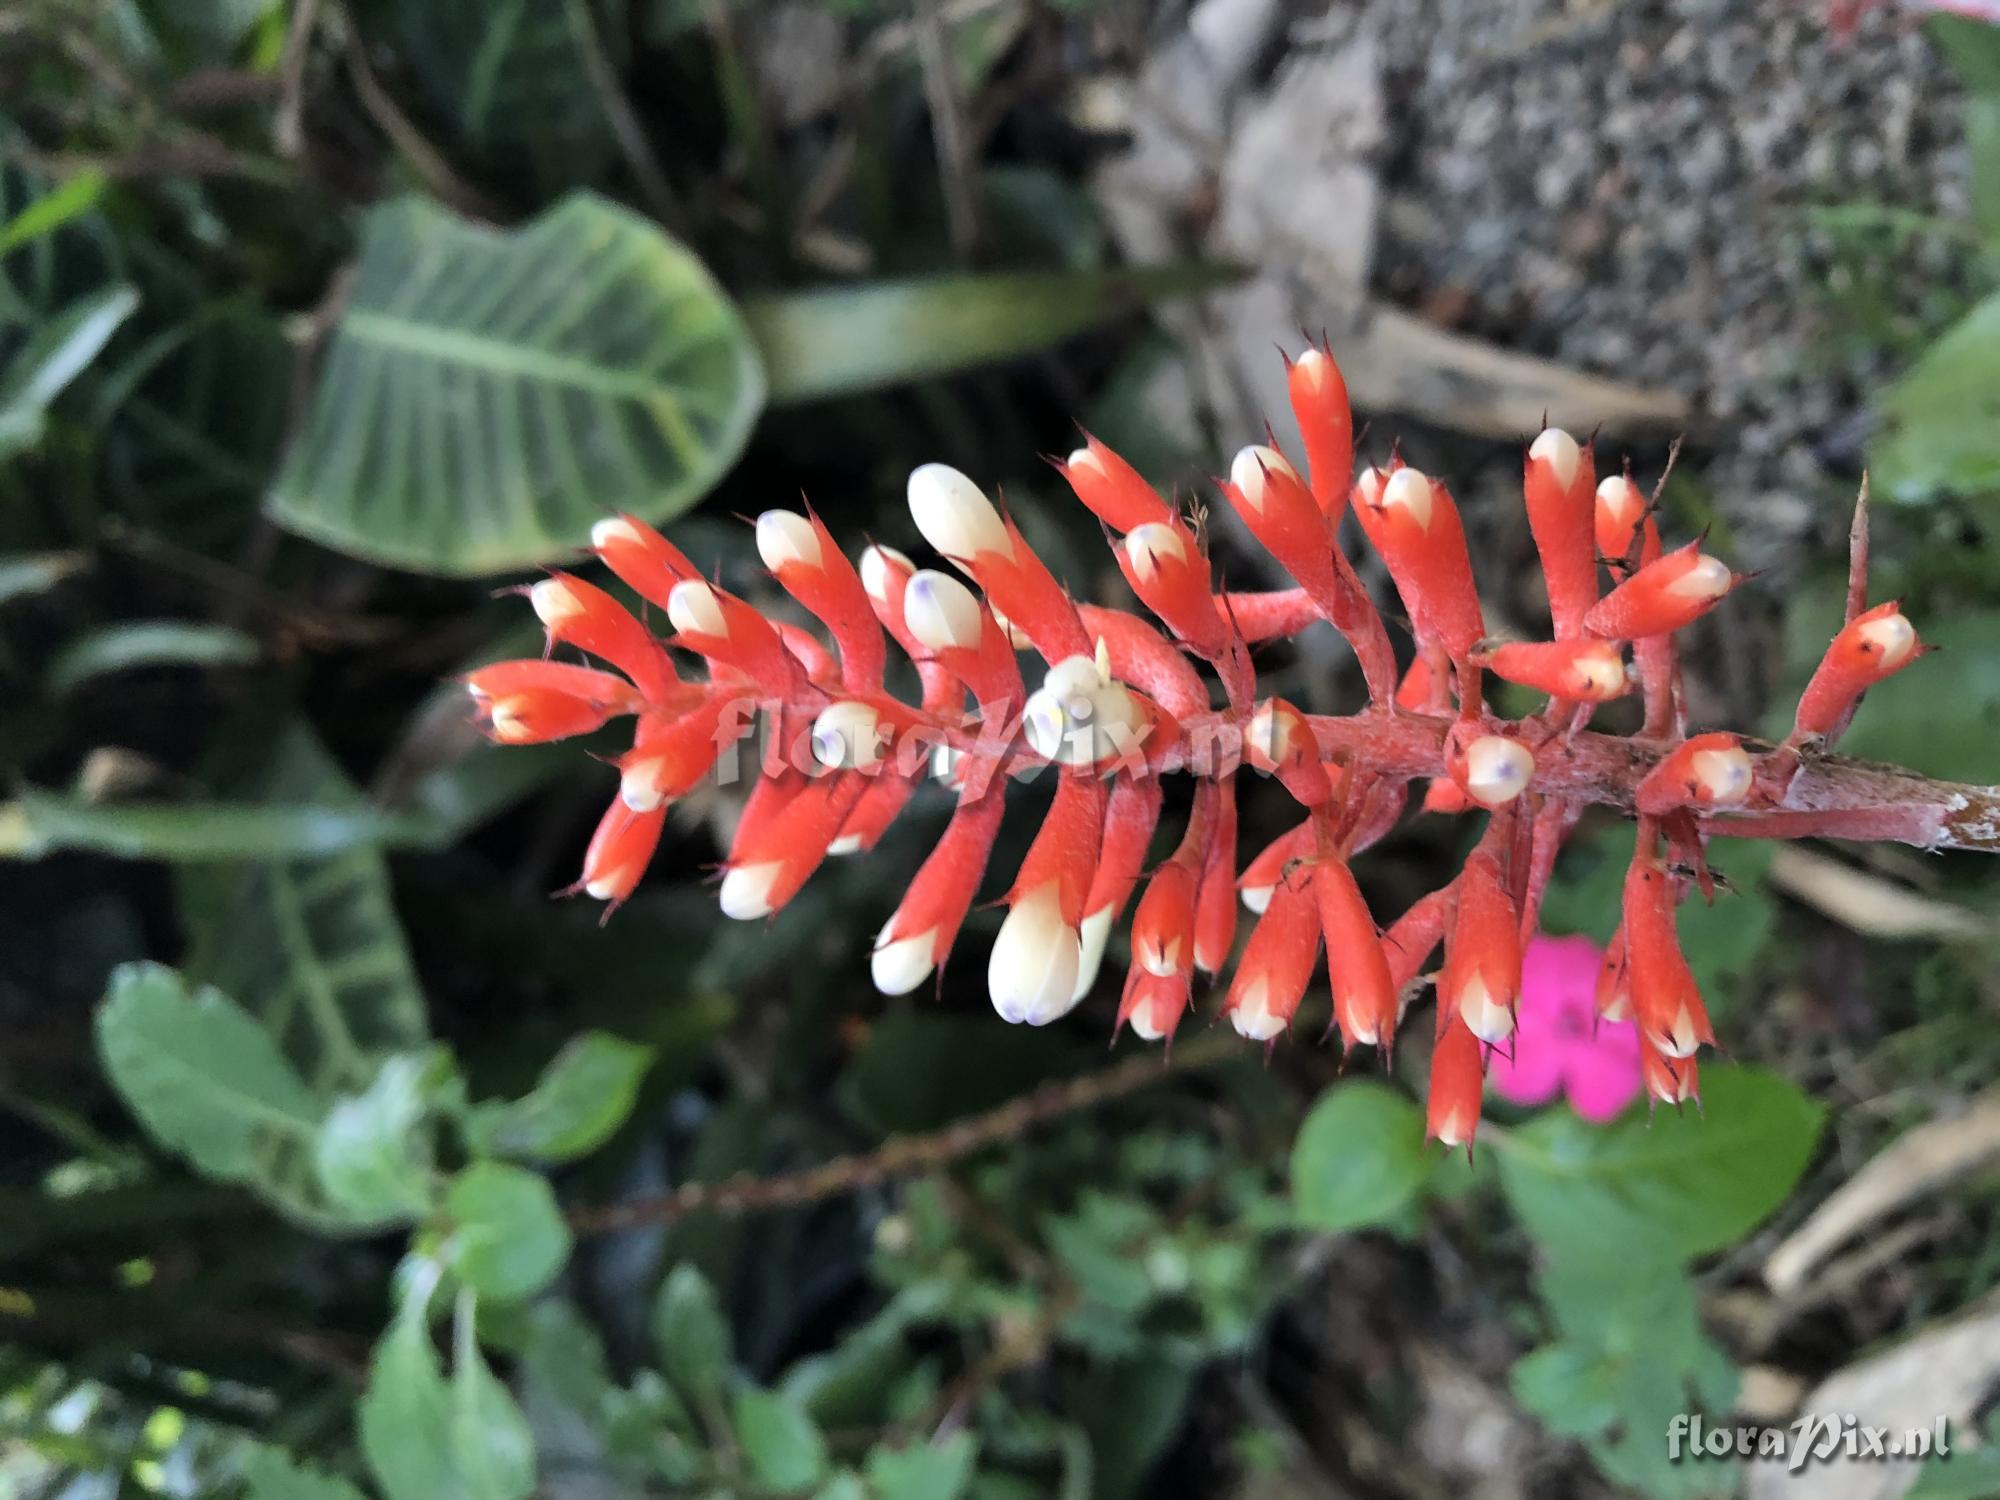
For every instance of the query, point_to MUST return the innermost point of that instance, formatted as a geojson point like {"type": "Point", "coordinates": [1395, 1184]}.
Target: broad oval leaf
{"type": "Point", "coordinates": [204, 1078]}
{"type": "Point", "coordinates": [583, 1095]}
{"type": "Point", "coordinates": [510, 1239]}
{"type": "Point", "coordinates": [489, 395]}
{"type": "Point", "coordinates": [1678, 1185]}
{"type": "Point", "coordinates": [1359, 1158]}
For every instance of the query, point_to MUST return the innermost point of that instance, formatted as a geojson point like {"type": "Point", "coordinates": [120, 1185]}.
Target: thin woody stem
{"type": "Point", "coordinates": [908, 1155]}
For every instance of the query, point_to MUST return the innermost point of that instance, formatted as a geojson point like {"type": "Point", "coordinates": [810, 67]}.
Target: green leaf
{"type": "Point", "coordinates": [509, 1239]}
{"type": "Point", "coordinates": [1567, 1387]}
{"type": "Point", "coordinates": [1677, 1186]}
{"type": "Point", "coordinates": [194, 418]}
{"type": "Point", "coordinates": [371, 1157]}
{"type": "Point", "coordinates": [843, 340]}
{"type": "Point", "coordinates": [1630, 1356]}
{"type": "Point", "coordinates": [1962, 1474]}
{"type": "Point", "coordinates": [312, 945]}
{"type": "Point", "coordinates": [73, 196]}
{"type": "Point", "coordinates": [488, 395]}
{"type": "Point", "coordinates": [138, 644]}
{"type": "Point", "coordinates": [40, 823]}
{"type": "Point", "coordinates": [927, 1471]}
{"type": "Point", "coordinates": [1940, 423]}
{"type": "Point", "coordinates": [583, 1095]}
{"type": "Point", "coordinates": [54, 355]}
{"type": "Point", "coordinates": [273, 1474]}
{"type": "Point", "coordinates": [1359, 1158]}
{"type": "Point", "coordinates": [691, 1334]}
{"type": "Point", "coordinates": [511, 78]}
{"type": "Point", "coordinates": [426, 1438]}
{"type": "Point", "coordinates": [785, 1450]}
{"type": "Point", "coordinates": [204, 1079]}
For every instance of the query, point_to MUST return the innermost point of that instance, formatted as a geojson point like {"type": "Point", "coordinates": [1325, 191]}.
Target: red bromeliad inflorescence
{"type": "Point", "coordinates": [1120, 703]}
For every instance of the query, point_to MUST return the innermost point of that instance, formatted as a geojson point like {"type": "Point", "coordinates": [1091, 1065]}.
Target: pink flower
{"type": "Point", "coordinates": [1559, 1044]}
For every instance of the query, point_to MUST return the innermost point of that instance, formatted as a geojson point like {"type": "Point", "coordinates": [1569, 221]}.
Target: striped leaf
{"type": "Point", "coordinates": [488, 395]}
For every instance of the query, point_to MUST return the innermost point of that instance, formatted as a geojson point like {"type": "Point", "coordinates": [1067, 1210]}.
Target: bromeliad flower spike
{"type": "Point", "coordinates": [1120, 702]}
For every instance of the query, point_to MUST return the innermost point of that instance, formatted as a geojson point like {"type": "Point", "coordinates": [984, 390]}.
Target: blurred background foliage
{"type": "Point", "coordinates": [340, 1161]}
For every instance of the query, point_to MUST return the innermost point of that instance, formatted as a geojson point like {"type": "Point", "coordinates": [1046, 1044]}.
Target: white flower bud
{"type": "Point", "coordinates": [847, 736]}
{"type": "Point", "coordinates": [1273, 732]}
{"type": "Point", "coordinates": [615, 531]}
{"type": "Point", "coordinates": [1723, 775]}
{"type": "Point", "coordinates": [1559, 451]}
{"type": "Point", "coordinates": [785, 536]}
{"type": "Point", "coordinates": [1497, 770]}
{"type": "Point", "coordinates": [1893, 638]}
{"type": "Point", "coordinates": [954, 514]}
{"type": "Point", "coordinates": [746, 890]}
{"type": "Point", "coordinates": [1257, 898]}
{"type": "Point", "coordinates": [1315, 367]}
{"type": "Point", "coordinates": [1368, 486]}
{"type": "Point", "coordinates": [693, 609]}
{"type": "Point", "coordinates": [898, 966]}
{"type": "Point", "coordinates": [1409, 489]}
{"type": "Point", "coordinates": [1155, 957]}
{"type": "Point", "coordinates": [941, 612]}
{"type": "Point", "coordinates": [553, 602]}
{"type": "Point", "coordinates": [639, 786]}
{"type": "Point", "coordinates": [1681, 1041]}
{"type": "Point", "coordinates": [875, 570]}
{"type": "Point", "coordinates": [1248, 469]}
{"type": "Point", "coordinates": [1621, 498]}
{"type": "Point", "coordinates": [1141, 1022]}
{"type": "Point", "coordinates": [1251, 1015]}
{"type": "Point", "coordinates": [1601, 673]}
{"type": "Point", "coordinates": [1709, 578]}
{"type": "Point", "coordinates": [1036, 958]}
{"type": "Point", "coordinates": [1150, 544]}
{"type": "Point", "coordinates": [1484, 1016]}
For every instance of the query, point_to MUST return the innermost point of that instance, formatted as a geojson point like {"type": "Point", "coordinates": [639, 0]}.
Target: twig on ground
{"type": "Point", "coordinates": [909, 1155]}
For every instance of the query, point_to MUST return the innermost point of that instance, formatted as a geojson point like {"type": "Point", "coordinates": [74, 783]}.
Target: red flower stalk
{"type": "Point", "coordinates": [531, 702]}
{"type": "Point", "coordinates": [1585, 670]}
{"type": "Point", "coordinates": [1663, 596]}
{"type": "Point", "coordinates": [1875, 644]}
{"type": "Point", "coordinates": [1481, 983]}
{"type": "Point", "coordinates": [1117, 705]}
{"type": "Point", "coordinates": [1558, 483]}
{"type": "Point", "coordinates": [1416, 528]}
{"type": "Point", "coordinates": [1364, 993]}
{"type": "Point", "coordinates": [1458, 1077]}
{"type": "Point", "coordinates": [1277, 963]}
